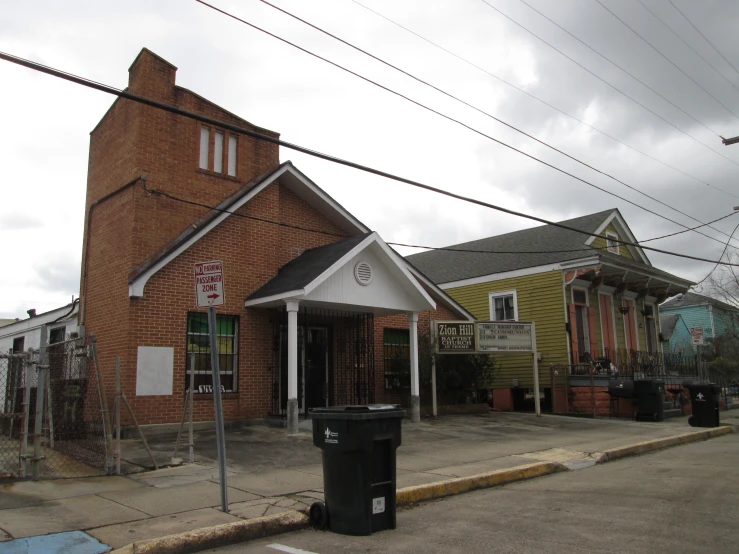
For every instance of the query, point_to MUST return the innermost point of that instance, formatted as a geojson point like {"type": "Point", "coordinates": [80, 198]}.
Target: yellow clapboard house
{"type": "Point", "coordinates": [594, 299]}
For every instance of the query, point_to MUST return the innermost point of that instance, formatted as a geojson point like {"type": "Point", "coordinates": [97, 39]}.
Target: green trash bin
{"type": "Point", "coordinates": [359, 445]}
{"type": "Point", "coordinates": [704, 400]}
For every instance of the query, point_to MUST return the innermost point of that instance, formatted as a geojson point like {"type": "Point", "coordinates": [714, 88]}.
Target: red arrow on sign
{"type": "Point", "coordinates": [213, 296]}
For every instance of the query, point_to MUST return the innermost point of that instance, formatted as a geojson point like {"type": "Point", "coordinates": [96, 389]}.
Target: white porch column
{"type": "Point", "coordinates": [415, 395]}
{"type": "Point", "coordinates": [292, 307]}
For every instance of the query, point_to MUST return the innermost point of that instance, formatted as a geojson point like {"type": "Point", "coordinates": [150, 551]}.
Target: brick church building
{"type": "Point", "coordinates": [318, 309]}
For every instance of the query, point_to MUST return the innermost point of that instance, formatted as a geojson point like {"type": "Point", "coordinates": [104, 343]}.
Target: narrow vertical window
{"type": "Point", "coordinates": [232, 155]}
{"type": "Point", "coordinates": [204, 146]}
{"type": "Point", "coordinates": [218, 153]}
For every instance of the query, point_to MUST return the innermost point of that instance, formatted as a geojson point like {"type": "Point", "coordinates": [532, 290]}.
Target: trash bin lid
{"type": "Point", "coordinates": [364, 411]}
{"type": "Point", "coordinates": [357, 408]}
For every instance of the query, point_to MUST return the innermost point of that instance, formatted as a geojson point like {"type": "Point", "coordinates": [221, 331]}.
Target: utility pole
{"type": "Point", "coordinates": [729, 141]}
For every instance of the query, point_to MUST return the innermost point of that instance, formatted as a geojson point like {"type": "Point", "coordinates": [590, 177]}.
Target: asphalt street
{"type": "Point", "coordinates": [682, 499]}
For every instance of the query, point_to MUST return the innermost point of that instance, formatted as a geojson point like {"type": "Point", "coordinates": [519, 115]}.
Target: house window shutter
{"type": "Point", "coordinates": [593, 336]}
{"type": "Point", "coordinates": [573, 332]}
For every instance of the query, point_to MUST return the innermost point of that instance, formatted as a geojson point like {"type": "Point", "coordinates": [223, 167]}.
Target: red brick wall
{"type": "Point", "coordinates": [131, 227]}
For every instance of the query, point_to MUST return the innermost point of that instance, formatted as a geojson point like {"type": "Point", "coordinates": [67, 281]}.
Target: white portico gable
{"type": "Point", "coordinates": [360, 273]}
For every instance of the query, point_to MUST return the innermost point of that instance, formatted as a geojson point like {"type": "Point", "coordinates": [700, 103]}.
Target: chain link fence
{"type": "Point", "coordinates": [12, 412]}
{"type": "Point", "coordinates": [51, 420]}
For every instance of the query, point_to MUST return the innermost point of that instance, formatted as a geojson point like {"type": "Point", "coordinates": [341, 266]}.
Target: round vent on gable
{"type": "Point", "coordinates": [363, 273]}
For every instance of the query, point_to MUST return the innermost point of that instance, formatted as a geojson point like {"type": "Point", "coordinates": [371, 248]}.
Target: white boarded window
{"type": "Point", "coordinates": [204, 146]}
{"type": "Point", "coordinates": [612, 242]}
{"type": "Point", "coordinates": [232, 155]}
{"type": "Point", "coordinates": [218, 153]}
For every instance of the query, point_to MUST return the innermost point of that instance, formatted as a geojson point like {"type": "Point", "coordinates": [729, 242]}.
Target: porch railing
{"type": "Point", "coordinates": [637, 364]}
{"type": "Point", "coordinates": [674, 369]}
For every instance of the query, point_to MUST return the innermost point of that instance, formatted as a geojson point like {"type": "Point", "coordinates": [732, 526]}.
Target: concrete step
{"type": "Point", "coordinates": [668, 405]}
{"type": "Point", "coordinates": [673, 412]}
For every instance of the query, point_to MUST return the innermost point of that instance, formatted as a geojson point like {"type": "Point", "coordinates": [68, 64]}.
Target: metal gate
{"type": "Point", "coordinates": [51, 422]}
{"type": "Point", "coordinates": [12, 411]}
{"type": "Point", "coordinates": [343, 342]}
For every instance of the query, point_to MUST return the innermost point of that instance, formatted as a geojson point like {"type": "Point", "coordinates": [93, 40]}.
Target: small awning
{"type": "Point", "coordinates": [359, 273]}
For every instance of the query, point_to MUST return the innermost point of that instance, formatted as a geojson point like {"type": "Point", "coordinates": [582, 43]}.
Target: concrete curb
{"type": "Point", "coordinates": [459, 485]}
{"type": "Point", "coordinates": [250, 529]}
{"type": "Point", "coordinates": [219, 535]}
{"type": "Point", "coordinates": [660, 444]}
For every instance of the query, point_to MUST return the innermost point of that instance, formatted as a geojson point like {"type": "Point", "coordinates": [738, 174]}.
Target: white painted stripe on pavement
{"type": "Point", "coordinates": [288, 549]}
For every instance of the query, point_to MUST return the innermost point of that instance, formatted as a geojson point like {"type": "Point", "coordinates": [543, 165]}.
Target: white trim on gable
{"type": "Point", "coordinates": [615, 215]}
{"type": "Point", "coordinates": [137, 285]}
{"type": "Point", "coordinates": [453, 303]}
{"type": "Point", "coordinates": [372, 238]}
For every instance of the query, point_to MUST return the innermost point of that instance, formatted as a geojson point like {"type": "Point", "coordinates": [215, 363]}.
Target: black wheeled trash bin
{"type": "Point", "coordinates": [359, 444]}
{"type": "Point", "coordinates": [650, 399]}
{"type": "Point", "coordinates": [704, 400]}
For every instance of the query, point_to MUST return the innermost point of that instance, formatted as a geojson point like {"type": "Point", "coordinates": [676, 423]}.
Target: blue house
{"type": "Point", "coordinates": [685, 311]}
{"type": "Point", "coordinates": [675, 335]}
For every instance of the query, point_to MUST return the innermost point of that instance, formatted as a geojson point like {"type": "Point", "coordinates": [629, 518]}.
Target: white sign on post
{"type": "Point", "coordinates": [696, 333]}
{"type": "Point", "coordinates": [209, 284]}
{"type": "Point", "coordinates": [504, 337]}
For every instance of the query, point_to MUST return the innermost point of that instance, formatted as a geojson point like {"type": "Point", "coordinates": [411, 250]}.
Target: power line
{"type": "Point", "coordinates": [527, 93]}
{"type": "Point", "coordinates": [159, 192]}
{"type": "Point", "coordinates": [688, 45]}
{"type": "Point", "coordinates": [704, 36]}
{"type": "Point", "coordinates": [630, 28]}
{"type": "Point", "coordinates": [366, 169]}
{"type": "Point", "coordinates": [616, 88]}
{"type": "Point", "coordinates": [459, 122]}
{"type": "Point", "coordinates": [627, 73]}
{"type": "Point", "coordinates": [487, 114]}
{"type": "Point", "coordinates": [614, 64]}
{"type": "Point", "coordinates": [686, 230]}
{"type": "Point", "coordinates": [719, 260]}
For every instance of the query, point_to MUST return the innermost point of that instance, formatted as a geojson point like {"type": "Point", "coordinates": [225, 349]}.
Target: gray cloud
{"type": "Point", "coordinates": [311, 103]}
{"type": "Point", "coordinates": [19, 221]}
{"type": "Point", "coordinates": [59, 274]}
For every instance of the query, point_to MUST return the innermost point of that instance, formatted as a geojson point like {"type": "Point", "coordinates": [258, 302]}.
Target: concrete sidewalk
{"type": "Point", "coordinates": [270, 473]}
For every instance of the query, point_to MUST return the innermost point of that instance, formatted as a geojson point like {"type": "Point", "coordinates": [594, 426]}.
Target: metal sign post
{"type": "Point", "coordinates": [537, 400]}
{"type": "Point", "coordinates": [209, 293]}
{"type": "Point", "coordinates": [218, 405]}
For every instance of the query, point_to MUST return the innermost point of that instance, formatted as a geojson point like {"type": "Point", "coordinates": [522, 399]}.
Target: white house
{"type": "Point", "coordinates": [23, 334]}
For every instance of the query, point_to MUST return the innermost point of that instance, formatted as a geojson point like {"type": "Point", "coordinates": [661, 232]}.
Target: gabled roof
{"type": "Point", "coordinates": [692, 299]}
{"type": "Point", "coordinates": [546, 242]}
{"type": "Point", "coordinates": [288, 175]}
{"type": "Point", "coordinates": [304, 275]}
{"type": "Point", "coordinates": [667, 324]}
{"type": "Point", "coordinates": [299, 273]}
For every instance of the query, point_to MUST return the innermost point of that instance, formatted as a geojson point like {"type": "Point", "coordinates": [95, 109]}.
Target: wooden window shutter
{"type": "Point", "coordinates": [593, 333]}
{"type": "Point", "coordinates": [573, 333]}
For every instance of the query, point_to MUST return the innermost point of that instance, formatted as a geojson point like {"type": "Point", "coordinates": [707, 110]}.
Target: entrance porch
{"type": "Point", "coordinates": [324, 340]}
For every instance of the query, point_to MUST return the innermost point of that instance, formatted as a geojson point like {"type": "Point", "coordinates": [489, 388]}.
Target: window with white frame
{"type": "Point", "coordinates": [612, 242]}
{"type": "Point", "coordinates": [504, 306]}
{"type": "Point", "coordinates": [225, 148]}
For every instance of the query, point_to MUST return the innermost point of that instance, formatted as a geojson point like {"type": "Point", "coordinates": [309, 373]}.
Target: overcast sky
{"type": "Point", "coordinates": [45, 138]}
